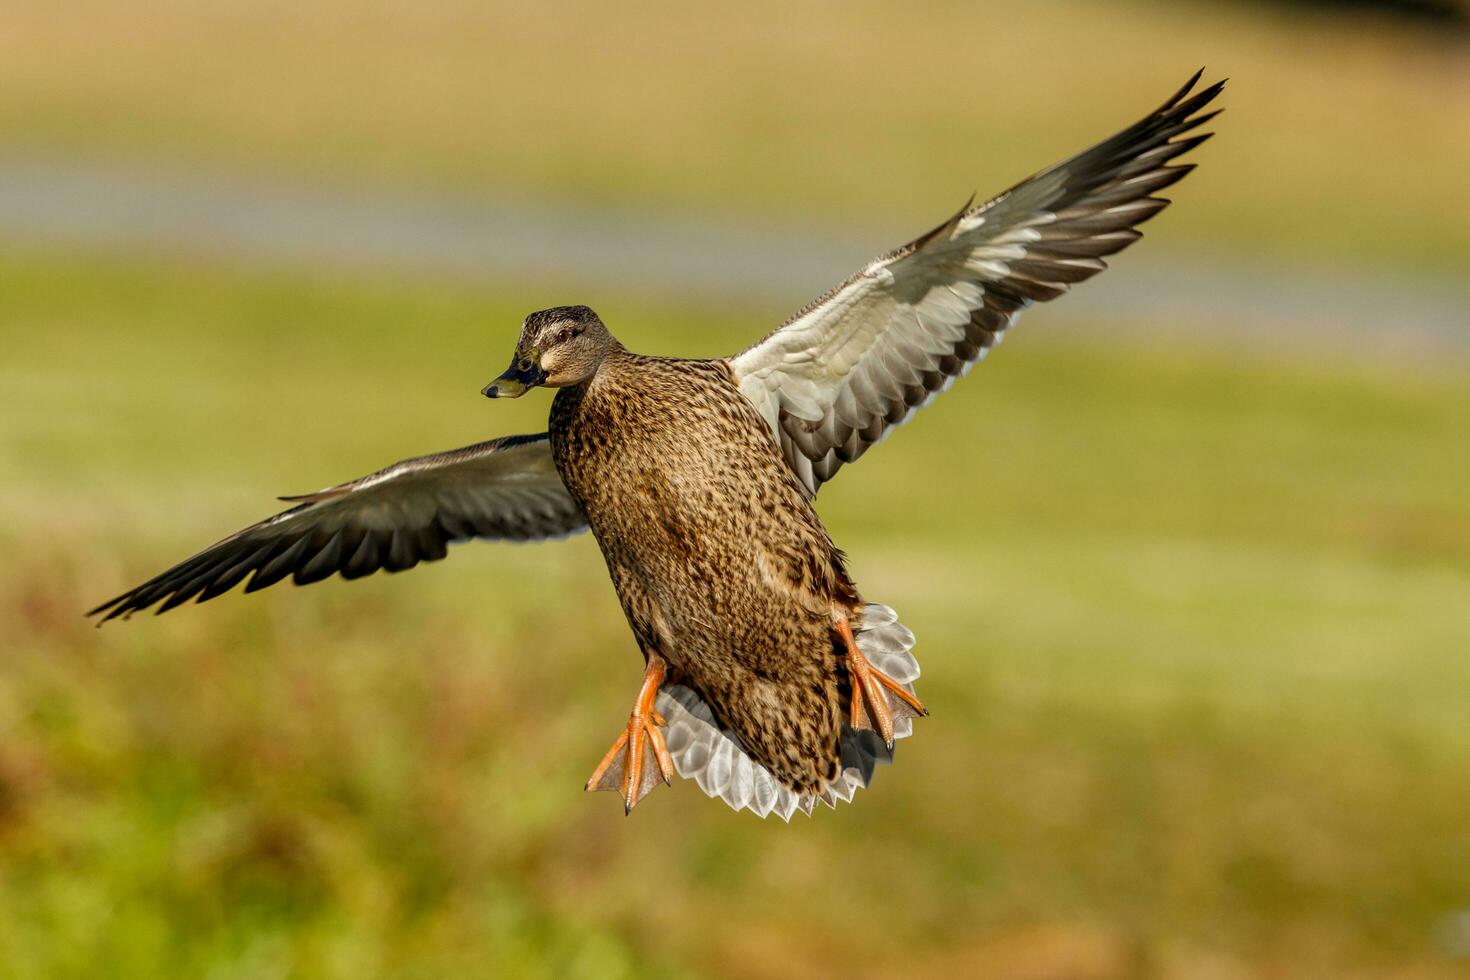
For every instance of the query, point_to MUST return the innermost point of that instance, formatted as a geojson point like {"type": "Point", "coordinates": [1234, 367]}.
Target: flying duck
{"type": "Point", "coordinates": [768, 679]}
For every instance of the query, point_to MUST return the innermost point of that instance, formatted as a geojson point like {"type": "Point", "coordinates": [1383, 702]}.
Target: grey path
{"type": "Point", "coordinates": [131, 208]}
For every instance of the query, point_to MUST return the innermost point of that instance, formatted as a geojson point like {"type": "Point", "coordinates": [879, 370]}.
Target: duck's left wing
{"type": "Point", "coordinates": [506, 489]}
{"type": "Point", "coordinates": [839, 375]}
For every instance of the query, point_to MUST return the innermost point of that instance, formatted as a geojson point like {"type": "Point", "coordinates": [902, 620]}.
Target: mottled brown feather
{"type": "Point", "coordinates": [722, 566]}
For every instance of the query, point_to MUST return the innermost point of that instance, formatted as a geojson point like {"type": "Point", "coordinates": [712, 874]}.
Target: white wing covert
{"type": "Point", "coordinates": [840, 374]}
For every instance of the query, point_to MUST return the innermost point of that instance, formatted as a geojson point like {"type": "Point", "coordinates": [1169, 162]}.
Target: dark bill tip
{"type": "Point", "coordinates": [522, 375]}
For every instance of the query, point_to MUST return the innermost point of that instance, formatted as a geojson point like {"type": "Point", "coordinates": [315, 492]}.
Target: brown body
{"type": "Point", "coordinates": [723, 567]}
{"type": "Point", "coordinates": [697, 478]}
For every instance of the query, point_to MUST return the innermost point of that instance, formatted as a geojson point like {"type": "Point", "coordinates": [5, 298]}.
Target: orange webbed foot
{"type": "Point", "coordinates": [877, 700]}
{"type": "Point", "coordinates": [639, 760]}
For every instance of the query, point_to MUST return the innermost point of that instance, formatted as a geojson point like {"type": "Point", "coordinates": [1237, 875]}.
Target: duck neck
{"type": "Point", "coordinates": [612, 360]}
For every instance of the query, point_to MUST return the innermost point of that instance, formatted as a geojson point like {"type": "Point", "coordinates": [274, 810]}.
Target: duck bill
{"type": "Point", "coordinates": [516, 380]}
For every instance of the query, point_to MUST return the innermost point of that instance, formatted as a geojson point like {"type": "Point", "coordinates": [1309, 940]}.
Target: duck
{"type": "Point", "coordinates": [768, 678]}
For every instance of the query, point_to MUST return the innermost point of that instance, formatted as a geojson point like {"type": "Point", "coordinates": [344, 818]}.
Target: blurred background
{"type": "Point", "coordinates": [1188, 557]}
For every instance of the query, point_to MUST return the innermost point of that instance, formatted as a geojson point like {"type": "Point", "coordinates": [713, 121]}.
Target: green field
{"type": "Point", "coordinates": [1193, 610]}
{"type": "Point", "coordinates": [1193, 624]}
{"type": "Point", "coordinates": [1348, 137]}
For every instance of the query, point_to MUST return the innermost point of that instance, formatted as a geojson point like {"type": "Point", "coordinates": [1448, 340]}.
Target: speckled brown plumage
{"type": "Point", "coordinates": [722, 566]}
{"type": "Point", "coordinates": [764, 670]}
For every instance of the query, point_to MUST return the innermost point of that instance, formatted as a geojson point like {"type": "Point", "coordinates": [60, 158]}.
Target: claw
{"type": "Point", "coordinates": [868, 685]}
{"type": "Point", "coordinates": [624, 768]}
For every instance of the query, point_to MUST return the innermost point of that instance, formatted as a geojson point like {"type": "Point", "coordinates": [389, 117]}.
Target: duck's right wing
{"type": "Point", "coordinates": [505, 489]}
{"type": "Point", "coordinates": [840, 374]}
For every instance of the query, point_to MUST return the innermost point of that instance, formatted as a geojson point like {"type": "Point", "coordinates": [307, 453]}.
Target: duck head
{"type": "Point", "coordinates": [561, 346]}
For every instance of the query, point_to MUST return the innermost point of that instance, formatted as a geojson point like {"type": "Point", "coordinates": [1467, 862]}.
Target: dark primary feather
{"type": "Point", "coordinates": [917, 318]}
{"type": "Point", "coordinates": [505, 489]}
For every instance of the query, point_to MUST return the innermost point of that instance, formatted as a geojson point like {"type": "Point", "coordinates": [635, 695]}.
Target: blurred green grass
{"type": "Point", "coordinates": [1346, 137]}
{"type": "Point", "coordinates": [1192, 620]}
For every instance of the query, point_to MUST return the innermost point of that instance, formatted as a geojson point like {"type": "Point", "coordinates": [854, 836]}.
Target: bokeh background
{"type": "Point", "coordinates": [1188, 557]}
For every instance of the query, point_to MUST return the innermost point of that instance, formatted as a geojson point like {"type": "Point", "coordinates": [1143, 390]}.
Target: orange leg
{"type": "Point", "coordinates": [868, 684]}
{"type": "Point", "coordinates": [626, 767]}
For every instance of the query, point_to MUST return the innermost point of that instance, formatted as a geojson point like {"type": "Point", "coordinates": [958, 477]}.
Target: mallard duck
{"type": "Point", "coordinates": [768, 679]}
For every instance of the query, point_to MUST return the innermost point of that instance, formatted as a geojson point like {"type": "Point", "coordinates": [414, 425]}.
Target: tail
{"type": "Point", "coordinates": [714, 758]}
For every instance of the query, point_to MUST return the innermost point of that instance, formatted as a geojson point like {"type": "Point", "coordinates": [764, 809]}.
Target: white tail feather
{"type": "Point", "coordinates": [714, 758]}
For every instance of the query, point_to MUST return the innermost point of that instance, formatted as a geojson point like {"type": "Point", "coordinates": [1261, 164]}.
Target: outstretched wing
{"type": "Point", "coordinates": [836, 377]}
{"type": "Point", "coordinates": [505, 489]}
